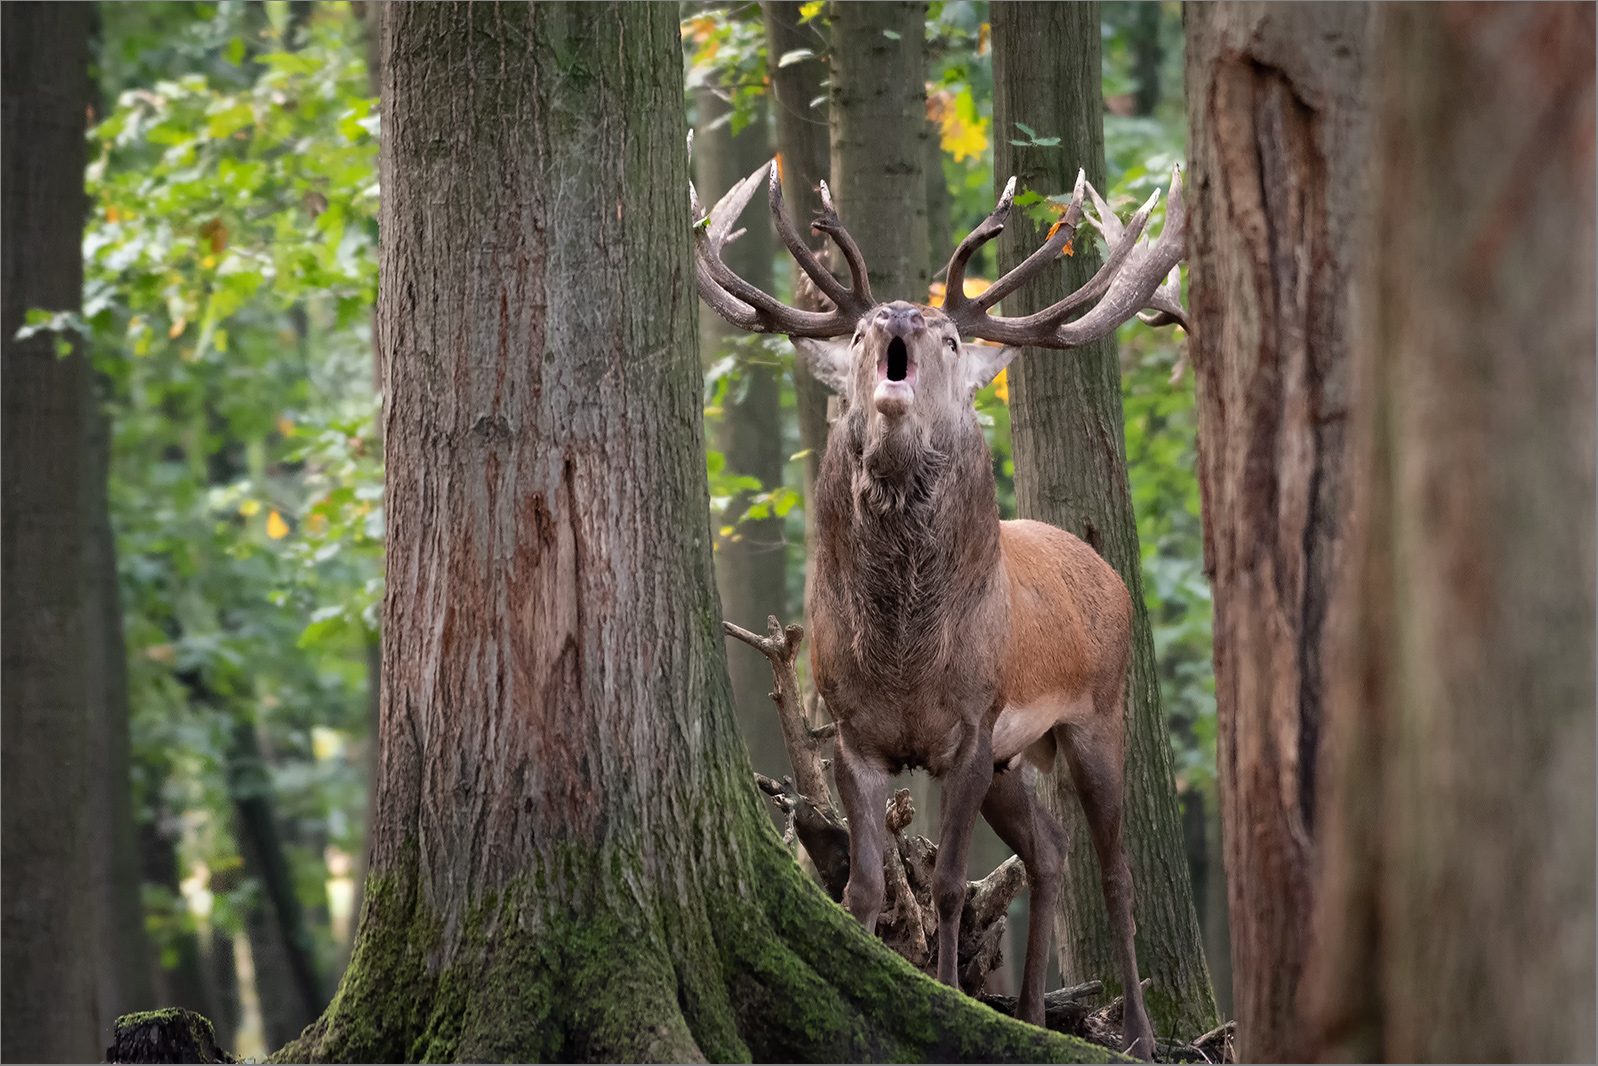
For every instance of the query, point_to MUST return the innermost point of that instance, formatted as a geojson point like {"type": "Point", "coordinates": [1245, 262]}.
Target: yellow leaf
{"type": "Point", "coordinates": [276, 528]}
{"type": "Point", "coordinates": [112, 214]}
{"type": "Point", "coordinates": [250, 508]}
{"type": "Point", "coordinates": [1002, 385]}
{"type": "Point", "coordinates": [208, 262]}
{"type": "Point", "coordinates": [178, 327]}
{"type": "Point", "coordinates": [285, 425]}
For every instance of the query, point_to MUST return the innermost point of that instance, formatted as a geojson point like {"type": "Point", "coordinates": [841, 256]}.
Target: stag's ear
{"type": "Point", "coordinates": [831, 362]}
{"type": "Point", "coordinates": [982, 364]}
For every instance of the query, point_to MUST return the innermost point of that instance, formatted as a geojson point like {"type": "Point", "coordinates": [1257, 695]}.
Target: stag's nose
{"type": "Point", "coordinates": [901, 319]}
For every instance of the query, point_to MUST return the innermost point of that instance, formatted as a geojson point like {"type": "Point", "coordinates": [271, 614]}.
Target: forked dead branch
{"type": "Point", "coordinates": [945, 639]}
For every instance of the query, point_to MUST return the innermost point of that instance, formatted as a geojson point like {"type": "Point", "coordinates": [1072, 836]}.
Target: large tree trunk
{"type": "Point", "coordinates": [878, 118]}
{"type": "Point", "coordinates": [1277, 109]}
{"type": "Point", "coordinates": [1070, 471]}
{"type": "Point", "coordinates": [48, 991]}
{"type": "Point", "coordinates": [1457, 904]}
{"type": "Point", "coordinates": [569, 857]}
{"type": "Point", "coordinates": [751, 563]}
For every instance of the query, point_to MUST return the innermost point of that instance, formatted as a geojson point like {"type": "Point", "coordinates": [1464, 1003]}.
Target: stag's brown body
{"type": "Point", "coordinates": [945, 639]}
{"type": "Point", "coordinates": [926, 604]}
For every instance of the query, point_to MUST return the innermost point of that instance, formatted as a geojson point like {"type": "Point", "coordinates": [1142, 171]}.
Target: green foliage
{"type": "Point", "coordinates": [230, 270]}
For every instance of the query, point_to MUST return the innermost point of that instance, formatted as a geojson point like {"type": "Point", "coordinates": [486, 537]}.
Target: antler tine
{"type": "Point", "coordinates": [1129, 280]}
{"type": "Point", "coordinates": [830, 286]}
{"type": "Point", "coordinates": [989, 228]}
{"type": "Point", "coordinates": [1053, 315]}
{"type": "Point", "coordinates": [830, 224]}
{"type": "Point", "coordinates": [745, 305]}
{"type": "Point", "coordinates": [974, 312]}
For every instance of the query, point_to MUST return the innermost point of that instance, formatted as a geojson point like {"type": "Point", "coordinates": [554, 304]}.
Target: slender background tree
{"type": "Point", "coordinates": [1070, 471]}
{"type": "Point", "coordinates": [1279, 130]}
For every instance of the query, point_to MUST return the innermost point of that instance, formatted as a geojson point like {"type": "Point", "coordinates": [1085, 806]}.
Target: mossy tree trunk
{"type": "Point", "coordinates": [751, 562]}
{"type": "Point", "coordinates": [569, 859]}
{"type": "Point", "coordinates": [1457, 909]}
{"type": "Point", "coordinates": [1278, 114]}
{"type": "Point", "coordinates": [1070, 471]}
{"type": "Point", "coordinates": [49, 928]}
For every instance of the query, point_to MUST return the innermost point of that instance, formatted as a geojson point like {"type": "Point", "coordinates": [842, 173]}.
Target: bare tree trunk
{"type": "Point", "coordinates": [879, 128]}
{"type": "Point", "coordinates": [286, 980]}
{"type": "Point", "coordinates": [751, 563]}
{"type": "Point", "coordinates": [569, 858]}
{"type": "Point", "coordinates": [1277, 108]}
{"type": "Point", "coordinates": [49, 928]}
{"type": "Point", "coordinates": [1070, 471]}
{"type": "Point", "coordinates": [803, 143]}
{"type": "Point", "coordinates": [126, 965]}
{"type": "Point", "coordinates": [1457, 909]}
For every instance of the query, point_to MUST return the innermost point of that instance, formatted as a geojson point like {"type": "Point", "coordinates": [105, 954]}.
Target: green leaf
{"type": "Point", "coordinates": [892, 35]}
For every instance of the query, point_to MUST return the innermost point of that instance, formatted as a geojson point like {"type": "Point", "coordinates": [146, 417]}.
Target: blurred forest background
{"type": "Point", "coordinates": [230, 274]}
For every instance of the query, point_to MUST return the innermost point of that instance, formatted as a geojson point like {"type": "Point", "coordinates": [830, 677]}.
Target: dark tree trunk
{"type": "Point", "coordinates": [569, 858]}
{"type": "Point", "coordinates": [126, 965]}
{"type": "Point", "coordinates": [286, 980]}
{"type": "Point", "coordinates": [803, 143]}
{"type": "Point", "coordinates": [1457, 904]}
{"type": "Point", "coordinates": [1278, 115]}
{"type": "Point", "coordinates": [751, 562]}
{"type": "Point", "coordinates": [48, 988]}
{"type": "Point", "coordinates": [879, 128]}
{"type": "Point", "coordinates": [1070, 471]}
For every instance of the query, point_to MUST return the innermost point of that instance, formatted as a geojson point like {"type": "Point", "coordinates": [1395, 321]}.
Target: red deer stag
{"type": "Point", "coordinates": [944, 638]}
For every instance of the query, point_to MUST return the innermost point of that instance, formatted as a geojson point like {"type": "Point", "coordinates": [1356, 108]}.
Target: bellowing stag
{"type": "Point", "coordinates": [944, 638]}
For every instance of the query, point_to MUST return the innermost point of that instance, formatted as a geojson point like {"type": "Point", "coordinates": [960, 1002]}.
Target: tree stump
{"type": "Point", "coordinates": [171, 1035]}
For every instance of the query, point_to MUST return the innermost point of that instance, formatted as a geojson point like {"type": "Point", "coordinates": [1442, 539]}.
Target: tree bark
{"type": "Point", "coordinates": [126, 978]}
{"type": "Point", "coordinates": [879, 129]}
{"type": "Point", "coordinates": [1278, 114]}
{"type": "Point", "coordinates": [1070, 471]}
{"type": "Point", "coordinates": [569, 858]}
{"type": "Point", "coordinates": [803, 144]}
{"type": "Point", "coordinates": [48, 990]}
{"type": "Point", "coordinates": [751, 564]}
{"type": "Point", "coordinates": [1457, 906]}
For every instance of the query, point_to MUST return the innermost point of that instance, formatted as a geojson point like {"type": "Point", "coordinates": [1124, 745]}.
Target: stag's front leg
{"type": "Point", "coordinates": [964, 786]}
{"type": "Point", "coordinates": [863, 791]}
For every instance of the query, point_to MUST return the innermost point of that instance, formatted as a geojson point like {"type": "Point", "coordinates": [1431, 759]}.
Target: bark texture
{"type": "Point", "coordinates": [803, 144]}
{"type": "Point", "coordinates": [1279, 133]}
{"type": "Point", "coordinates": [879, 128]}
{"type": "Point", "coordinates": [1456, 893]}
{"type": "Point", "coordinates": [48, 988]}
{"type": "Point", "coordinates": [1070, 471]}
{"type": "Point", "coordinates": [569, 859]}
{"type": "Point", "coordinates": [751, 563]}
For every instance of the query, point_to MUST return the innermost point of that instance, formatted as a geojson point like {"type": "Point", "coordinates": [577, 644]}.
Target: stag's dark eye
{"type": "Point", "coordinates": [953, 343]}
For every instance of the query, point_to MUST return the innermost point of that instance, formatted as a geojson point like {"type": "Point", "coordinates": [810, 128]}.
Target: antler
{"type": "Point", "coordinates": [1129, 280]}
{"type": "Point", "coordinates": [749, 307]}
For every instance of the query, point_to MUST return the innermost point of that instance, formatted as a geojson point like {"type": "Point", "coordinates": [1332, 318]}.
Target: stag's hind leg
{"type": "Point", "coordinates": [1093, 751]}
{"type": "Point", "coordinates": [1012, 809]}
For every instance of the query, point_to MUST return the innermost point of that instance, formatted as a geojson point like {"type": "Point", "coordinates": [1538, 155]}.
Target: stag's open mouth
{"type": "Point", "coordinates": [896, 377]}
